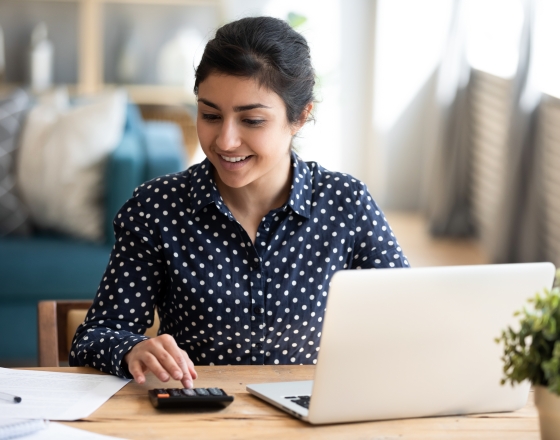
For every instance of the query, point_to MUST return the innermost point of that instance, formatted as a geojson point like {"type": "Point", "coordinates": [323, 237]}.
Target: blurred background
{"type": "Point", "coordinates": [449, 110]}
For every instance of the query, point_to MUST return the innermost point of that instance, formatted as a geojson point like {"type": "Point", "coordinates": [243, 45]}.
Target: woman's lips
{"type": "Point", "coordinates": [232, 166]}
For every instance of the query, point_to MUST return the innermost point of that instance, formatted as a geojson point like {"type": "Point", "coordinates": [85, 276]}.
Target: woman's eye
{"type": "Point", "coordinates": [254, 122]}
{"type": "Point", "coordinates": [210, 117]}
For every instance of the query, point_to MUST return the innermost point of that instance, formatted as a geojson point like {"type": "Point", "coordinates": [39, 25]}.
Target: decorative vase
{"type": "Point", "coordinates": [548, 405]}
{"type": "Point", "coordinates": [41, 63]}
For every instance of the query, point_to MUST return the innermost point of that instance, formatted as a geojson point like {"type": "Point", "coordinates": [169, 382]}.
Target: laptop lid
{"type": "Point", "coordinates": [419, 342]}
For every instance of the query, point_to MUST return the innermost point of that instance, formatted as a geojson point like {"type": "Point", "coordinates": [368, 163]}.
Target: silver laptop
{"type": "Point", "coordinates": [401, 343]}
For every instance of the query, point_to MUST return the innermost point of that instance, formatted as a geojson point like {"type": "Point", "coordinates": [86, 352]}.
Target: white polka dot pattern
{"type": "Point", "coordinates": [224, 299]}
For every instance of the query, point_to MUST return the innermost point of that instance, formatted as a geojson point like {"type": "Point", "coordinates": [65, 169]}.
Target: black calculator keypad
{"type": "Point", "coordinates": [216, 391]}
{"type": "Point", "coordinates": [189, 398]}
{"type": "Point", "coordinates": [201, 391]}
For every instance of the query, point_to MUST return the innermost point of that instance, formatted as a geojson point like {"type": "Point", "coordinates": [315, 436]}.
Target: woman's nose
{"type": "Point", "coordinates": [228, 137]}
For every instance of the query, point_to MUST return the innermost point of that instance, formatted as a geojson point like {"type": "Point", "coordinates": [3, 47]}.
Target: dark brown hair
{"type": "Point", "coordinates": [268, 50]}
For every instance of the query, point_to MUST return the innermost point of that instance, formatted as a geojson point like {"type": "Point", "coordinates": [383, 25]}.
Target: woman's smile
{"type": "Point", "coordinates": [233, 163]}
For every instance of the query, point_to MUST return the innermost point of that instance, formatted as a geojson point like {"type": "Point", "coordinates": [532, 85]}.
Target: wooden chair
{"type": "Point", "coordinates": [57, 324]}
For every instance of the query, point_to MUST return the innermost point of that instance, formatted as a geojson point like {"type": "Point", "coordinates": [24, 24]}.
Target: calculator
{"type": "Point", "coordinates": [162, 398]}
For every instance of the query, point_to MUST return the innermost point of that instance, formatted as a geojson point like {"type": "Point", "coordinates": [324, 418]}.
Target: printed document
{"type": "Point", "coordinates": [55, 396]}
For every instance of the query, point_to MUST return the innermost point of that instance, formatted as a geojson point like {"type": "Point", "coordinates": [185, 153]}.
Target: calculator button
{"type": "Point", "coordinates": [188, 392]}
{"type": "Point", "coordinates": [162, 396]}
{"type": "Point", "coordinates": [201, 391]}
{"type": "Point", "coordinates": [216, 391]}
{"type": "Point", "coordinates": [174, 392]}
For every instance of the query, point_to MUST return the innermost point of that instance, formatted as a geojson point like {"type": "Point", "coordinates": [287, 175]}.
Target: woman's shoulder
{"type": "Point", "coordinates": [170, 184]}
{"type": "Point", "coordinates": [336, 181]}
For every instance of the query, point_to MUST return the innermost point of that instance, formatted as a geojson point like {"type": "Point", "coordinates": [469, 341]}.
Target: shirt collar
{"type": "Point", "coordinates": [300, 193]}
{"type": "Point", "coordinates": [204, 190]}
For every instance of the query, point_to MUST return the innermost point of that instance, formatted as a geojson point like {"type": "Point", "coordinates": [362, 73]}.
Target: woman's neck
{"type": "Point", "coordinates": [249, 204]}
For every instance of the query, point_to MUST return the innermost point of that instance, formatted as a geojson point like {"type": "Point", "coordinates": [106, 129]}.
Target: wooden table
{"type": "Point", "coordinates": [129, 414]}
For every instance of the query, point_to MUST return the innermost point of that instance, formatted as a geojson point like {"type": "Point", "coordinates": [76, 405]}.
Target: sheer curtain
{"type": "Point", "coordinates": [446, 200]}
{"type": "Point", "coordinates": [484, 176]}
{"type": "Point", "coordinates": [517, 228]}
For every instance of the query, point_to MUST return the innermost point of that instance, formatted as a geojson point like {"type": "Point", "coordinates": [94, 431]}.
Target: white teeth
{"type": "Point", "coordinates": [233, 159]}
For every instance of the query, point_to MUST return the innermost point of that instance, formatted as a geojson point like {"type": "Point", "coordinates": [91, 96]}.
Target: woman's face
{"type": "Point", "coordinates": [244, 131]}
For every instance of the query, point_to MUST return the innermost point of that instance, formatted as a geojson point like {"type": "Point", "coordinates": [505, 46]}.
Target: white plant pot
{"type": "Point", "coordinates": [548, 405]}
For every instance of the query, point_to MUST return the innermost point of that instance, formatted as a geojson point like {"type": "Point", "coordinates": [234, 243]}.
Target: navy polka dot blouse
{"type": "Point", "coordinates": [224, 299]}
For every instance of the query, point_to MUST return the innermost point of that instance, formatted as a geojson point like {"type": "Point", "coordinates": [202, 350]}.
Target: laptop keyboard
{"type": "Point", "coordinates": [300, 400]}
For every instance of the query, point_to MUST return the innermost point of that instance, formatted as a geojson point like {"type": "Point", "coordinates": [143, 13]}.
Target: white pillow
{"type": "Point", "coordinates": [62, 157]}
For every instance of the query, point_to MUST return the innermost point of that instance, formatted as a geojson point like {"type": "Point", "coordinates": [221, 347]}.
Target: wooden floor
{"type": "Point", "coordinates": [423, 250]}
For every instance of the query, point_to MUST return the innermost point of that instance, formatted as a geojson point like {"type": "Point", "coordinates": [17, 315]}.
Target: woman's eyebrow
{"type": "Point", "coordinates": [208, 103]}
{"type": "Point", "coordinates": [242, 108]}
{"type": "Point", "coordinates": [239, 108]}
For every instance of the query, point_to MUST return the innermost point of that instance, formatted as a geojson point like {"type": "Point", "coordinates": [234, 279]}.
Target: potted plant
{"type": "Point", "coordinates": [533, 353]}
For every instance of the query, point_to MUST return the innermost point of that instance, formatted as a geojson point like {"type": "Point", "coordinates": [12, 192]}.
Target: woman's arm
{"type": "Point", "coordinates": [124, 305]}
{"type": "Point", "coordinates": [375, 245]}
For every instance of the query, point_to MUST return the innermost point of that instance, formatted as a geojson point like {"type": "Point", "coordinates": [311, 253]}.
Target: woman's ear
{"type": "Point", "coordinates": [303, 118]}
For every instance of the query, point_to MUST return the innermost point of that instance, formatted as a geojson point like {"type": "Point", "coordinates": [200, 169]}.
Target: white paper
{"type": "Point", "coordinates": [55, 396]}
{"type": "Point", "coordinates": [12, 428]}
{"type": "Point", "coordinates": [57, 431]}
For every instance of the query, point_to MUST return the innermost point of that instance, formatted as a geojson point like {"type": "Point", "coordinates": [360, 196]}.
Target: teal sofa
{"type": "Point", "coordinates": [46, 266]}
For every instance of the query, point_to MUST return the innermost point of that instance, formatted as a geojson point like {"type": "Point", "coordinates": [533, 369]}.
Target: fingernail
{"type": "Point", "coordinates": [189, 383]}
{"type": "Point", "coordinates": [140, 380]}
{"type": "Point", "coordinates": [177, 375]}
{"type": "Point", "coordinates": [164, 377]}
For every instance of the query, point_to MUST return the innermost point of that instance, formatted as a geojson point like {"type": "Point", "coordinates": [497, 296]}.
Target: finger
{"type": "Point", "coordinates": [190, 363]}
{"type": "Point", "coordinates": [168, 362]}
{"type": "Point", "coordinates": [135, 368]}
{"type": "Point", "coordinates": [177, 365]}
{"type": "Point", "coordinates": [153, 364]}
{"type": "Point", "coordinates": [189, 377]}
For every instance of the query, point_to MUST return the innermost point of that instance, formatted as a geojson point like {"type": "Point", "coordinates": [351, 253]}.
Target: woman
{"type": "Point", "coordinates": [236, 252]}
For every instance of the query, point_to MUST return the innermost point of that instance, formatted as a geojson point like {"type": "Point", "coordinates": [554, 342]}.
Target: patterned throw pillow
{"type": "Point", "coordinates": [13, 214]}
{"type": "Point", "coordinates": [61, 163]}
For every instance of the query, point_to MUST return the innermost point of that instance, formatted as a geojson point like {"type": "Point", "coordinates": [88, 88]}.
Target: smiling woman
{"type": "Point", "coordinates": [236, 252]}
{"type": "Point", "coordinates": [248, 142]}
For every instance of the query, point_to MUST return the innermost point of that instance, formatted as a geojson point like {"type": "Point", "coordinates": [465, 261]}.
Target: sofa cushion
{"type": "Point", "coordinates": [61, 167]}
{"type": "Point", "coordinates": [124, 172]}
{"type": "Point", "coordinates": [164, 149]}
{"type": "Point", "coordinates": [14, 217]}
{"type": "Point", "coordinates": [50, 267]}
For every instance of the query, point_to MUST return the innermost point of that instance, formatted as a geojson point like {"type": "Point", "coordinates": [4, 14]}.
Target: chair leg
{"type": "Point", "coordinates": [48, 334]}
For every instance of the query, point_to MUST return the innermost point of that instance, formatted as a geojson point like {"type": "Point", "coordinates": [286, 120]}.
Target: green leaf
{"type": "Point", "coordinates": [296, 20]}
{"type": "Point", "coordinates": [533, 351]}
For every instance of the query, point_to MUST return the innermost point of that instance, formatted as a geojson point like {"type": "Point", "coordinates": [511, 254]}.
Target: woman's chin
{"type": "Point", "coordinates": [233, 181]}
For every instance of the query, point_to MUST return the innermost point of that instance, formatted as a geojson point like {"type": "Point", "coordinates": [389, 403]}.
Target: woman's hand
{"type": "Point", "coordinates": [163, 357]}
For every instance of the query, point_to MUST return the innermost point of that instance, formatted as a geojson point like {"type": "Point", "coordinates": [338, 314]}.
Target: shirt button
{"type": "Point", "coordinates": [258, 346]}
{"type": "Point", "coordinates": [266, 225]}
{"type": "Point", "coordinates": [258, 310]}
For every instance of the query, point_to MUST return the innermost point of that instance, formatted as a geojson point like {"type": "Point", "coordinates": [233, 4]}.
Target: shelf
{"type": "Point", "coordinates": [156, 94]}
{"type": "Point", "coordinates": [91, 19]}
{"type": "Point", "coordinates": [138, 93]}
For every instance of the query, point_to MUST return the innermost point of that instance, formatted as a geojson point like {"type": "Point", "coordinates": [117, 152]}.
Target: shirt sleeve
{"type": "Point", "coordinates": [375, 244]}
{"type": "Point", "coordinates": [123, 308]}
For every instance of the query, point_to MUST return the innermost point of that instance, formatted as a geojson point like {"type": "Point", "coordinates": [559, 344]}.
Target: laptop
{"type": "Point", "coordinates": [401, 343]}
